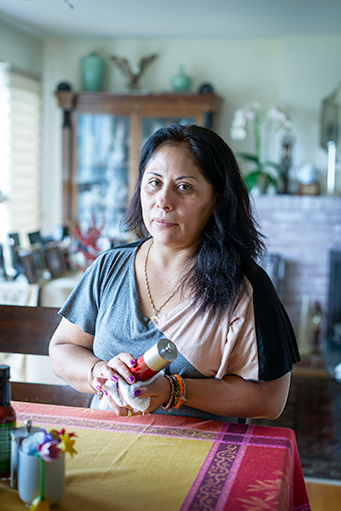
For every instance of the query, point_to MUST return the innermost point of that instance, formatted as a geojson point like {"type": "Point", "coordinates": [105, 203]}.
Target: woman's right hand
{"type": "Point", "coordinates": [117, 366]}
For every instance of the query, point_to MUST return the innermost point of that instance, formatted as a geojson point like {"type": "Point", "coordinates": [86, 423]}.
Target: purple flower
{"type": "Point", "coordinates": [43, 436]}
{"type": "Point", "coordinates": [49, 450]}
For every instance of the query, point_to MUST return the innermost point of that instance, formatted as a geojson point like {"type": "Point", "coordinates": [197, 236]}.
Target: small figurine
{"type": "Point", "coordinates": [133, 74]}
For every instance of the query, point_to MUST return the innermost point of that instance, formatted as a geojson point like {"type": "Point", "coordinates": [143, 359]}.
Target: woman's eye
{"type": "Point", "coordinates": [183, 187]}
{"type": "Point", "coordinates": [154, 182]}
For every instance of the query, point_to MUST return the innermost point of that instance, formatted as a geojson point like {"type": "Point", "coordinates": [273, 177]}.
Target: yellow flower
{"type": "Point", "coordinates": [40, 504]}
{"type": "Point", "coordinates": [67, 444]}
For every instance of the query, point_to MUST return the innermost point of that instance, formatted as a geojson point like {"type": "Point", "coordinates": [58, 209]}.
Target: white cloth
{"type": "Point", "coordinates": [127, 391]}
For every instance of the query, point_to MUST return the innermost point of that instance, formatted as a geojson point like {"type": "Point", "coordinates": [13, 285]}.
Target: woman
{"type": "Point", "coordinates": [194, 281]}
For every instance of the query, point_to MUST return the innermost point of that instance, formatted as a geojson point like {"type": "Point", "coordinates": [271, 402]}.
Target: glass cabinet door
{"type": "Point", "coordinates": [152, 124]}
{"type": "Point", "coordinates": [102, 172]}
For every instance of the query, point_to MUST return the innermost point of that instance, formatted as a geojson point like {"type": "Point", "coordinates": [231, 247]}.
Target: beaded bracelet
{"type": "Point", "coordinates": [178, 392]}
{"type": "Point", "coordinates": [182, 392]}
{"type": "Point", "coordinates": [168, 405]}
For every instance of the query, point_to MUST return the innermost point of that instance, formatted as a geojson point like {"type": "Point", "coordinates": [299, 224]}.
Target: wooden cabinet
{"type": "Point", "coordinates": [102, 138]}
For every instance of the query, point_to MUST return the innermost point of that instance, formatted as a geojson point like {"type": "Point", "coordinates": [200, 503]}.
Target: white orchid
{"type": "Point", "coordinates": [279, 117]}
{"type": "Point", "coordinates": [241, 118]}
{"type": "Point", "coordinates": [238, 133]}
{"type": "Point", "coordinates": [252, 114]}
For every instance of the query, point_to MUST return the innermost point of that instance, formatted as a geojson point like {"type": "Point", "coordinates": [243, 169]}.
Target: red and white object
{"type": "Point", "coordinates": [154, 360]}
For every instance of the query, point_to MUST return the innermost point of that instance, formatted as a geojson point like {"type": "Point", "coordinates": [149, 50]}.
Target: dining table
{"type": "Point", "coordinates": [168, 463]}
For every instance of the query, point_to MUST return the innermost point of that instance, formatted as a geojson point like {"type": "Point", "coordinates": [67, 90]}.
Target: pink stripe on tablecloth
{"type": "Point", "coordinates": [234, 471]}
{"type": "Point", "coordinates": [205, 492]}
{"type": "Point", "coordinates": [216, 477]}
{"type": "Point", "coordinates": [202, 472]}
{"type": "Point", "coordinates": [118, 427]}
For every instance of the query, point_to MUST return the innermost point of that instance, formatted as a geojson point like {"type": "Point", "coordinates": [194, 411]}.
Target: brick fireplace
{"type": "Point", "coordinates": [302, 230]}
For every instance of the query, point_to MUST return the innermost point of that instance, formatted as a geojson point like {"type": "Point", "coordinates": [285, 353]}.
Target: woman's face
{"type": "Point", "coordinates": [176, 198]}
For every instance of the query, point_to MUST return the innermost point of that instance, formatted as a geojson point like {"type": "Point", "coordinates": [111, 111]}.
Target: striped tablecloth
{"type": "Point", "coordinates": [170, 463]}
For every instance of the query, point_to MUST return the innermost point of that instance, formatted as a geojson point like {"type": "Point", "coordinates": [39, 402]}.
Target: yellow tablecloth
{"type": "Point", "coordinates": [168, 463]}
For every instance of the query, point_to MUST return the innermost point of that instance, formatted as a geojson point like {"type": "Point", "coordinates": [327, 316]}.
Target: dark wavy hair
{"type": "Point", "coordinates": [231, 242]}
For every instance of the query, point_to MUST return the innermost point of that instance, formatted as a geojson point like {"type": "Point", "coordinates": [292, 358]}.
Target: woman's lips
{"type": "Point", "coordinates": [163, 223]}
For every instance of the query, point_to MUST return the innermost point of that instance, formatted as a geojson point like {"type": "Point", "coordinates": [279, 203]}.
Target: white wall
{"type": "Point", "coordinates": [20, 49]}
{"type": "Point", "coordinates": [297, 72]}
{"type": "Point", "coordinates": [310, 70]}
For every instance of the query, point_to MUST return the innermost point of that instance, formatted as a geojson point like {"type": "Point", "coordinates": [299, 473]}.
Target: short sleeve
{"type": "Point", "coordinates": [81, 308]}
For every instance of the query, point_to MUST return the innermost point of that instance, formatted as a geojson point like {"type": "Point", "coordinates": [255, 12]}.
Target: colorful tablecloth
{"type": "Point", "coordinates": [170, 463]}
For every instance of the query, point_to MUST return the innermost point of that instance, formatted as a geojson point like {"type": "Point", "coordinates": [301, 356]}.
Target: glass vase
{"type": "Point", "coordinates": [92, 69]}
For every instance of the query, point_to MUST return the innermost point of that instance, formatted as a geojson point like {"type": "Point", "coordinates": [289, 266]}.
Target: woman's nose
{"type": "Point", "coordinates": [165, 200]}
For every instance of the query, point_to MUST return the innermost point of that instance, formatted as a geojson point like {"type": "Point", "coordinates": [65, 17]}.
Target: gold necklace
{"type": "Point", "coordinates": [155, 316]}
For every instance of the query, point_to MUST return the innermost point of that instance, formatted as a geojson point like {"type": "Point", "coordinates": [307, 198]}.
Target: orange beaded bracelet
{"type": "Point", "coordinates": [181, 394]}
{"type": "Point", "coordinates": [177, 394]}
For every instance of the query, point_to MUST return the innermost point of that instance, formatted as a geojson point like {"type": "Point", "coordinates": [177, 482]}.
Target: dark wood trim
{"type": "Point", "coordinates": [27, 329]}
{"type": "Point", "coordinates": [49, 394]}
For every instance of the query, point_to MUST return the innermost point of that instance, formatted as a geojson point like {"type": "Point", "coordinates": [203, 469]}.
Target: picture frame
{"type": "Point", "coordinates": [34, 238]}
{"type": "Point", "coordinates": [55, 260]}
{"type": "Point", "coordinates": [14, 239]}
{"type": "Point", "coordinates": [30, 267]}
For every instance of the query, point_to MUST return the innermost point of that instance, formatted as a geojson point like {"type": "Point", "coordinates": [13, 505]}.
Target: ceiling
{"type": "Point", "coordinates": [174, 18]}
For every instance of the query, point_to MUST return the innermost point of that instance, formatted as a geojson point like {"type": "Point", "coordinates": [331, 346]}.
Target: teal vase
{"type": "Point", "coordinates": [181, 82]}
{"type": "Point", "coordinates": [92, 69]}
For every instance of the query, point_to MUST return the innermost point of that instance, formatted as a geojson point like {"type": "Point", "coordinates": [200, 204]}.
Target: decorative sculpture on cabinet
{"type": "Point", "coordinates": [133, 73]}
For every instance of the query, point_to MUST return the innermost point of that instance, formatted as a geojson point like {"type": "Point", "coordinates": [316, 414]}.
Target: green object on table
{"type": "Point", "coordinates": [40, 503]}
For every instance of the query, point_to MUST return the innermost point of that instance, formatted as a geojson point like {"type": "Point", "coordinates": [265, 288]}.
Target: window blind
{"type": "Point", "coordinates": [24, 155]}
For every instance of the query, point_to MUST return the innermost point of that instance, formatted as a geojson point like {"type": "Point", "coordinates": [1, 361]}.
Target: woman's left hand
{"type": "Point", "coordinates": [158, 391]}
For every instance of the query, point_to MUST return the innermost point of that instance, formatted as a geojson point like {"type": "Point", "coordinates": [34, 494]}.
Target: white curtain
{"type": "Point", "coordinates": [4, 151]}
{"type": "Point", "coordinates": [20, 153]}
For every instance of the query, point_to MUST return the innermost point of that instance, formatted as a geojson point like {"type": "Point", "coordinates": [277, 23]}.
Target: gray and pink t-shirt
{"type": "Point", "coordinates": [254, 341]}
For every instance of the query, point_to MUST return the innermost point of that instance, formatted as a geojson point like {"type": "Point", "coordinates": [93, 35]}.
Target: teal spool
{"type": "Point", "coordinates": [181, 82]}
{"type": "Point", "coordinates": [92, 69]}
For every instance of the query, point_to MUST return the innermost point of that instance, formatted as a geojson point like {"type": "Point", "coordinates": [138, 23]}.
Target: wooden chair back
{"type": "Point", "coordinates": [28, 330]}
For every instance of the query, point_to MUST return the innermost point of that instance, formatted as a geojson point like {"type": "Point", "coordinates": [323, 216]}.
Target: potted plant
{"type": "Point", "coordinates": [262, 173]}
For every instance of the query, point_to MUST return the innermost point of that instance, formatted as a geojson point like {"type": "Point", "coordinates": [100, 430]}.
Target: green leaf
{"type": "Point", "coordinates": [270, 180]}
{"type": "Point", "coordinates": [251, 179]}
{"type": "Point", "coordinates": [249, 157]}
{"type": "Point", "coordinates": [273, 165]}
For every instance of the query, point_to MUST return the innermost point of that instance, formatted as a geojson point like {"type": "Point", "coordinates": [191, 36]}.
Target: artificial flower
{"type": "Point", "coordinates": [55, 434]}
{"type": "Point", "coordinates": [43, 436]}
{"type": "Point", "coordinates": [47, 447]}
{"type": "Point", "coordinates": [33, 443]}
{"type": "Point", "coordinates": [67, 443]}
{"type": "Point", "coordinates": [49, 451]}
{"type": "Point", "coordinates": [29, 445]}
